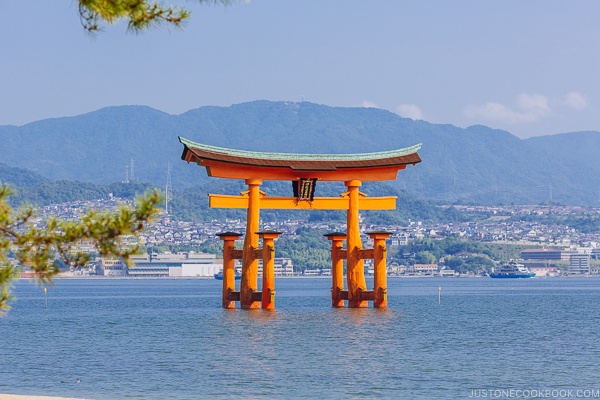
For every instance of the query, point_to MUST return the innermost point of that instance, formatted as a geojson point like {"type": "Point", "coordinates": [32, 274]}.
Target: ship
{"type": "Point", "coordinates": [512, 269]}
{"type": "Point", "coordinates": [219, 276]}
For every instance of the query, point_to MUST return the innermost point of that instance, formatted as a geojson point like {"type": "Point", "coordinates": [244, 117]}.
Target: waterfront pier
{"type": "Point", "coordinates": [304, 171]}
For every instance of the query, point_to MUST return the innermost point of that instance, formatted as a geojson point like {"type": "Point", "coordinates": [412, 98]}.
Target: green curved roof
{"type": "Point", "coordinates": [302, 157]}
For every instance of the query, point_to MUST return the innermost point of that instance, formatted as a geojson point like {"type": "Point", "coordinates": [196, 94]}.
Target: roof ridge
{"type": "Point", "coordinates": [300, 156]}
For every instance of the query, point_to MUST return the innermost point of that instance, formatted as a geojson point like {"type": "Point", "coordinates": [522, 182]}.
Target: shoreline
{"type": "Point", "coordinates": [28, 397]}
{"type": "Point", "coordinates": [212, 278]}
{"type": "Point", "coordinates": [290, 277]}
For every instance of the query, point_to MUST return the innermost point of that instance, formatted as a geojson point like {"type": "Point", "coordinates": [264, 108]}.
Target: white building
{"type": "Point", "coordinates": [163, 265]}
{"type": "Point", "coordinates": [113, 267]}
{"type": "Point", "coordinates": [283, 267]}
{"type": "Point", "coordinates": [579, 264]}
{"type": "Point", "coordinates": [399, 239]}
{"type": "Point", "coordinates": [425, 269]}
{"type": "Point", "coordinates": [201, 270]}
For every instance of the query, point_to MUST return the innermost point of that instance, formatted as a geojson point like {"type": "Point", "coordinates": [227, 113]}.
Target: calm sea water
{"type": "Point", "coordinates": [169, 339]}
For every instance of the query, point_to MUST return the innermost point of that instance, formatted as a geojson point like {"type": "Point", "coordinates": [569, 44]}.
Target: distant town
{"type": "Point", "coordinates": [547, 250]}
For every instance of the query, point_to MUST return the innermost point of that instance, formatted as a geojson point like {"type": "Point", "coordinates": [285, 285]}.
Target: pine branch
{"type": "Point", "coordinates": [38, 247]}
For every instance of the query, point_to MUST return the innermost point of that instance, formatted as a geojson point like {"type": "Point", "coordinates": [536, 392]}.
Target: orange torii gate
{"type": "Point", "coordinates": [304, 170]}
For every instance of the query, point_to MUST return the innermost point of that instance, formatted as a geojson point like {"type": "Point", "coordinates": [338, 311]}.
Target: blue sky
{"type": "Point", "coordinates": [529, 67]}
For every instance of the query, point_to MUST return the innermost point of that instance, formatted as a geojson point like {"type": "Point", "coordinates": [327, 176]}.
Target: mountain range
{"type": "Point", "coordinates": [460, 165]}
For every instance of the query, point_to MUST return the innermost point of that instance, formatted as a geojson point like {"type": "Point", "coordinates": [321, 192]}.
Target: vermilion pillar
{"type": "Point", "coordinates": [268, 278]}
{"type": "Point", "coordinates": [249, 282]}
{"type": "Point", "coordinates": [380, 267]}
{"type": "Point", "coordinates": [228, 239]}
{"type": "Point", "coordinates": [337, 268]}
{"type": "Point", "coordinates": [355, 268]}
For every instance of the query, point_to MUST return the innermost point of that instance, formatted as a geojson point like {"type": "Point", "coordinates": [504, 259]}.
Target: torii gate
{"type": "Point", "coordinates": [304, 170]}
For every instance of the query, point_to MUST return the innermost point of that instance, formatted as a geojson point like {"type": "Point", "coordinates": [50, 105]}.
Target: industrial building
{"type": "Point", "coordinates": [163, 265]}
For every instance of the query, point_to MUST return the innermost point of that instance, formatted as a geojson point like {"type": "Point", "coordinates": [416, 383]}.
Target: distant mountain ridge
{"type": "Point", "coordinates": [476, 164]}
{"type": "Point", "coordinates": [19, 176]}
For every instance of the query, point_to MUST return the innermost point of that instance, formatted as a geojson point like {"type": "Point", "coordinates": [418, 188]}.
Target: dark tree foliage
{"type": "Point", "coordinates": [460, 255]}
{"type": "Point", "coordinates": [139, 14]}
{"type": "Point", "coordinates": [309, 250]}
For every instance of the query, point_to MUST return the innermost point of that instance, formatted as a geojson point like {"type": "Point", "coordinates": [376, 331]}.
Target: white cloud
{"type": "Point", "coordinates": [369, 104]}
{"type": "Point", "coordinates": [533, 104]}
{"type": "Point", "coordinates": [411, 111]}
{"type": "Point", "coordinates": [575, 100]}
{"type": "Point", "coordinates": [531, 108]}
{"type": "Point", "coordinates": [492, 112]}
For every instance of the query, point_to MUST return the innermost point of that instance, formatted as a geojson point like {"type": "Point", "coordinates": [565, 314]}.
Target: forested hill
{"type": "Point", "coordinates": [19, 176]}
{"type": "Point", "coordinates": [477, 164]}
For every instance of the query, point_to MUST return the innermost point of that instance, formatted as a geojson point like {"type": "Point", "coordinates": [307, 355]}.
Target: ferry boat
{"type": "Point", "coordinates": [219, 276]}
{"type": "Point", "coordinates": [512, 269]}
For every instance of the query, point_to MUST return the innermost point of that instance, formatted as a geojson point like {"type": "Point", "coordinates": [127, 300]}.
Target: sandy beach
{"type": "Point", "coordinates": [25, 397]}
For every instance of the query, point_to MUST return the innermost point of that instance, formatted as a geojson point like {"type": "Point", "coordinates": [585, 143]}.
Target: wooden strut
{"type": "Point", "coordinates": [292, 203]}
{"type": "Point", "coordinates": [229, 293]}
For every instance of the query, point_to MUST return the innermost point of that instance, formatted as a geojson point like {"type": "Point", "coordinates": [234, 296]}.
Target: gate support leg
{"type": "Point", "coordinates": [380, 268]}
{"type": "Point", "coordinates": [355, 266]}
{"type": "Point", "coordinates": [268, 278]}
{"type": "Point", "coordinates": [249, 282]}
{"type": "Point", "coordinates": [228, 239]}
{"type": "Point", "coordinates": [337, 268]}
